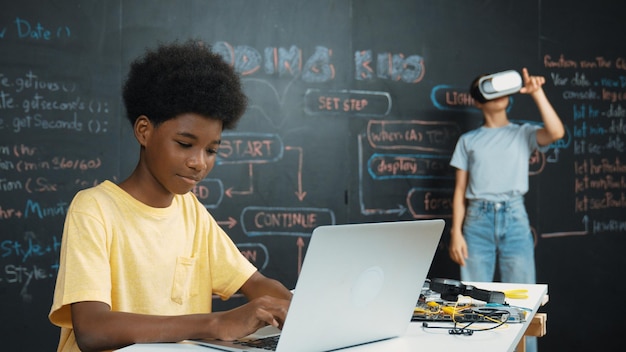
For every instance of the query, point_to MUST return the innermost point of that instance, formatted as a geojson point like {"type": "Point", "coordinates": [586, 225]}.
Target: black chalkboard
{"type": "Point", "coordinates": [355, 108]}
{"type": "Point", "coordinates": [581, 204]}
{"type": "Point", "coordinates": [59, 132]}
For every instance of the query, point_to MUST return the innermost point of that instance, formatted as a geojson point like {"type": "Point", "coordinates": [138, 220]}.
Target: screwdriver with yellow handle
{"type": "Point", "coordinates": [516, 293]}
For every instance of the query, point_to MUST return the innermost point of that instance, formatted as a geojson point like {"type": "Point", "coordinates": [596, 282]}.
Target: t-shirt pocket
{"type": "Point", "coordinates": [184, 285]}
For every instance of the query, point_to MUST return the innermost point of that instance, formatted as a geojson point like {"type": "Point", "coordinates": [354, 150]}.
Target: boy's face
{"type": "Point", "coordinates": [181, 151]}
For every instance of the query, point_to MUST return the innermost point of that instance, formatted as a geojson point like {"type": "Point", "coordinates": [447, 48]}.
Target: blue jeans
{"type": "Point", "coordinates": [498, 233]}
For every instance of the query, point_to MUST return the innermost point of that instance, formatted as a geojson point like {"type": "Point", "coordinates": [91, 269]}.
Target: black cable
{"type": "Point", "coordinates": [465, 330]}
{"type": "Point", "coordinates": [452, 331]}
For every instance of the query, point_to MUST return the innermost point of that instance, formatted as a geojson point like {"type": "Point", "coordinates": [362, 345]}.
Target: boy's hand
{"type": "Point", "coordinates": [246, 319]}
{"type": "Point", "coordinates": [531, 83]}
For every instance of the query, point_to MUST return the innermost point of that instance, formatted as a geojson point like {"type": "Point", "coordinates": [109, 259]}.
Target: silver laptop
{"type": "Point", "coordinates": [359, 283]}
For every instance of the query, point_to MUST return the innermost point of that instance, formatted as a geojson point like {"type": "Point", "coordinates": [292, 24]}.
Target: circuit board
{"type": "Point", "coordinates": [464, 313]}
{"type": "Point", "coordinates": [431, 307]}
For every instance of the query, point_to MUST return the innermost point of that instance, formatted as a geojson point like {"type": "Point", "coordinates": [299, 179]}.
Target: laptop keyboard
{"type": "Point", "coordinates": [267, 343]}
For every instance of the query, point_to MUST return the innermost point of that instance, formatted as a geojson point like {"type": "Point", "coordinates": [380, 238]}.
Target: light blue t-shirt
{"type": "Point", "coordinates": [497, 160]}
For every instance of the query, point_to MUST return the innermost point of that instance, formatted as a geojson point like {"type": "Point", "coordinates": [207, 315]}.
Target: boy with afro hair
{"type": "Point", "coordinates": [140, 260]}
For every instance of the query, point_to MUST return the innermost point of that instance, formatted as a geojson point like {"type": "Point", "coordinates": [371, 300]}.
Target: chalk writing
{"type": "Point", "coordinates": [26, 250]}
{"type": "Point", "coordinates": [446, 97]}
{"type": "Point", "coordinates": [209, 192]}
{"type": "Point", "coordinates": [319, 66]}
{"type": "Point", "coordinates": [596, 90]}
{"type": "Point", "coordinates": [406, 166]}
{"type": "Point", "coordinates": [28, 98]}
{"type": "Point", "coordinates": [258, 221]}
{"type": "Point", "coordinates": [278, 61]}
{"type": "Point", "coordinates": [396, 67]}
{"type": "Point", "coordinates": [437, 136]}
{"type": "Point", "coordinates": [382, 166]}
{"type": "Point", "coordinates": [347, 103]}
{"type": "Point", "coordinates": [428, 203]}
{"type": "Point", "coordinates": [34, 30]}
{"type": "Point", "coordinates": [38, 113]}
{"type": "Point", "coordinates": [249, 148]}
{"type": "Point", "coordinates": [612, 225]}
{"type": "Point", "coordinates": [28, 259]}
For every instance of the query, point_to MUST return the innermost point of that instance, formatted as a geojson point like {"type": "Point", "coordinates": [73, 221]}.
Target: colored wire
{"type": "Point", "coordinates": [456, 311]}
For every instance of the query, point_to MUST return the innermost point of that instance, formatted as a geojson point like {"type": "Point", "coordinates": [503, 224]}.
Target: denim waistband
{"type": "Point", "coordinates": [489, 205]}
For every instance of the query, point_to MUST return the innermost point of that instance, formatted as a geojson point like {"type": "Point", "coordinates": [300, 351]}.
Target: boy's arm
{"type": "Point", "coordinates": [259, 285]}
{"type": "Point", "coordinates": [553, 129]}
{"type": "Point", "coordinates": [98, 328]}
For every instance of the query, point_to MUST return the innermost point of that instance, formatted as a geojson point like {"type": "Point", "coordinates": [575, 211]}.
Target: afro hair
{"type": "Point", "coordinates": [180, 78]}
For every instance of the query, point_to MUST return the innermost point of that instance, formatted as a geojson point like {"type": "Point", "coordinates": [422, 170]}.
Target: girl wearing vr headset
{"type": "Point", "coordinates": [489, 220]}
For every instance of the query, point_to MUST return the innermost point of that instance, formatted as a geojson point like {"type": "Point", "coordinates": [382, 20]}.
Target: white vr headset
{"type": "Point", "coordinates": [499, 84]}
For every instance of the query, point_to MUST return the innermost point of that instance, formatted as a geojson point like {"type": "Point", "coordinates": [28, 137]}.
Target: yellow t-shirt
{"type": "Point", "coordinates": [139, 259]}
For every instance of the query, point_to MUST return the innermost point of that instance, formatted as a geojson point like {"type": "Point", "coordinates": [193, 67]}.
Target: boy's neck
{"type": "Point", "coordinates": [139, 188]}
{"type": "Point", "coordinates": [496, 120]}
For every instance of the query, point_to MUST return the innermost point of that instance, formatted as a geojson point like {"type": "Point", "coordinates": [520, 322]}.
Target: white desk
{"type": "Point", "coordinates": [418, 338]}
